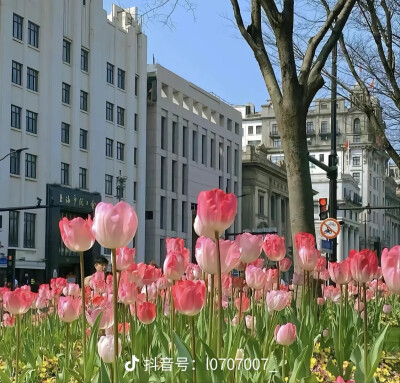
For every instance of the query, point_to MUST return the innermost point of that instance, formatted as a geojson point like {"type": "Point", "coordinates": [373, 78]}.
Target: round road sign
{"type": "Point", "coordinates": [330, 228]}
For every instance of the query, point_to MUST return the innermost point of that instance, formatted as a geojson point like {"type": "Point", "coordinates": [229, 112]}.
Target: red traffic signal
{"type": "Point", "coordinates": [323, 208]}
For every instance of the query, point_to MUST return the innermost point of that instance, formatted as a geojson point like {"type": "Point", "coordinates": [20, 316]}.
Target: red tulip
{"type": "Point", "coordinates": [146, 312]}
{"type": "Point", "coordinates": [77, 234]}
{"type": "Point", "coordinates": [391, 268]}
{"type": "Point", "coordinates": [125, 257]}
{"type": "Point", "coordinates": [274, 247]}
{"type": "Point", "coordinates": [304, 240]}
{"type": "Point", "coordinates": [250, 246]}
{"type": "Point", "coordinates": [255, 277]}
{"type": "Point", "coordinates": [216, 211]}
{"type": "Point", "coordinates": [189, 296]}
{"type": "Point", "coordinates": [58, 284]}
{"type": "Point", "coordinates": [18, 301]}
{"type": "Point", "coordinates": [340, 272]}
{"type": "Point", "coordinates": [245, 303]}
{"type": "Point", "coordinates": [284, 264]}
{"type": "Point", "coordinates": [285, 334]}
{"type": "Point", "coordinates": [114, 226]}
{"type": "Point", "coordinates": [363, 265]}
{"type": "Point", "coordinates": [69, 308]}
{"type": "Point", "coordinates": [105, 347]}
{"type": "Point", "coordinates": [206, 255]}
{"type": "Point", "coordinates": [277, 300]}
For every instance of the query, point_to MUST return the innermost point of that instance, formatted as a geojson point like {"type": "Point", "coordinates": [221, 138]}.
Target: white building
{"type": "Point", "coordinates": [73, 93]}
{"type": "Point", "coordinates": [193, 144]}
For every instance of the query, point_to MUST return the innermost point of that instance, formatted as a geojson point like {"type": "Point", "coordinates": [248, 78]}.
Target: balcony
{"type": "Point", "coordinates": [324, 132]}
{"type": "Point", "coordinates": [310, 132]}
{"type": "Point", "coordinates": [274, 133]}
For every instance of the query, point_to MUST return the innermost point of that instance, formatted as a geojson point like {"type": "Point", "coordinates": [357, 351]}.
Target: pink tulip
{"type": "Point", "coordinates": [2, 291]}
{"type": "Point", "coordinates": [189, 296]}
{"type": "Point", "coordinates": [77, 233]}
{"type": "Point", "coordinates": [259, 262]}
{"type": "Point", "coordinates": [285, 334]}
{"type": "Point", "coordinates": [8, 321]}
{"type": "Point", "coordinates": [284, 264]}
{"type": "Point", "coordinates": [72, 289]}
{"type": "Point", "coordinates": [391, 268]}
{"type": "Point", "coordinates": [332, 294]}
{"type": "Point", "coordinates": [147, 274]}
{"type": "Point", "coordinates": [277, 300]}
{"type": "Point", "coordinates": [320, 301]}
{"type": "Point", "coordinates": [255, 277]}
{"type": "Point", "coordinates": [298, 279]}
{"type": "Point", "coordinates": [245, 303]}
{"type": "Point", "coordinates": [324, 275]}
{"type": "Point", "coordinates": [363, 265]}
{"type": "Point", "coordinates": [321, 264]}
{"type": "Point", "coordinates": [340, 272]}
{"type": "Point", "coordinates": [274, 247]}
{"type": "Point", "coordinates": [387, 309]}
{"type": "Point", "coordinates": [250, 322]}
{"type": "Point", "coordinates": [98, 282]}
{"type": "Point", "coordinates": [163, 283]}
{"type": "Point", "coordinates": [105, 348]}
{"type": "Point", "coordinates": [307, 258]}
{"type": "Point", "coordinates": [250, 246]}
{"type": "Point", "coordinates": [41, 302]}
{"type": "Point", "coordinates": [177, 245]}
{"type": "Point", "coordinates": [206, 255]}
{"type": "Point", "coordinates": [193, 272]}
{"type": "Point", "coordinates": [125, 257]}
{"type": "Point", "coordinates": [339, 379]}
{"type": "Point", "coordinates": [69, 308]}
{"type": "Point", "coordinates": [304, 240]}
{"type": "Point", "coordinates": [216, 211]}
{"type": "Point", "coordinates": [58, 284]}
{"type": "Point", "coordinates": [18, 301]}
{"type": "Point", "coordinates": [114, 226]}
{"type": "Point", "coordinates": [358, 305]}
{"type": "Point", "coordinates": [146, 312]}
{"type": "Point", "coordinates": [272, 275]}
{"type": "Point", "coordinates": [150, 291]}
{"type": "Point", "coordinates": [127, 292]}
{"type": "Point", "coordinates": [174, 265]}
{"type": "Point", "coordinates": [107, 319]}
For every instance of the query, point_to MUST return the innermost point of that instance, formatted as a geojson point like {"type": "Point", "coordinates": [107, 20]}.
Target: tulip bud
{"type": "Point", "coordinates": [105, 348]}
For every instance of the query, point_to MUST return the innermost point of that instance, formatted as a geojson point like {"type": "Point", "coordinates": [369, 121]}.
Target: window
{"type": "Point", "coordinates": [136, 85]}
{"type": "Point", "coordinates": [82, 178]}
{"type": "Point", "coordinates": [356, 161]}
{"type": "Point", "coordinates": [273, 207]}
{"type": "Point", "coordinates": [258, 129]}
{"type": "Point", "coordinates": [17, 26]}
{"type": "Point", "coordinates": [274, 129]}
{"type": "Point", "coordinates": [120, 151]}
{"type": "Point", "coordinates": [31, 122]}
{"type": "Point", "coordinates": [184, 178]}
{"type": "Point", "coordinates": [13, 224]}
{"type": "Point", "coordinates": [322, 157]}
{"type": "Point", "coordinates": [184, 141]}
{"type": "Point", "coordinates": [66, 92]}
{"type": "Point", "coordinates": [136, 122]}
{"type": "Point", "coordinates": [30, 165]}
{"type": "Point", "coordinates": [184, 217]}
{"type": "Point", "coordinates": [109, 147]}
{"type": "Point", "coordinates": [228, 159]}
{"type": "Point", "coordinates": [162, 212]}
{"type": "Point", "coordinates": [324, 106]}
{"type": "Point", "coordinates": [29, 230]}
{"type": "Point", "coordinates": [212, 153]}
{"type": "Point", "coordinates": [110, 73]}
{"type": "Point", "coordinates": [309, 127]}
{"type": "Point", "coordinates": [174, 175]}
{"type": "Point", "coordinates": [64, 133]}
{"type": "Point", "coordinates": [204, 149]}
{"type": "Point", "coordinates": [236, 164]}
{"type": "Point", "coordinates": [84, 101]}
{"type": "Point", "coordinates": [109, 111]}
{"type": "Point", "coordinates": [324, 126]}
{"type": "Point", "coordinates": [121, 78]}
{"type": "Point", "coordinates": [16, 73]}
{"type": "Point", "coordinates": [15, 159]}
{"type": "Point", "coordinates": [174, 137]}
{"type": "Point", "coordinates": [84, 60]}
{"type": "Point", "coordinates": [221, 156]}
{"type": "Point", "coordinates": [163, 130]}
{"type": "Point", "coordinates": [109, 185]}
{"type": "Point", "coordinates": [261, 204]}
{"type": "Point", "coordinates": [276, 142]}
{"type": "Point", "coordinates": [135, 156]}
{"type": "Point", "coordinates": [163, 175]}
{"type": "Point", "coordinates": [173, 214]}
{"type": "Point", "coordinates": [134, 190]}
{"type": "Point", "coordinates": [83, 139]}
{"type": "Point", "coordinates": [66, 51]}
{"type": "Point", "coordinates": [15, 117]}
{"type": "Point", "coordinates": [64, 173]}
{"type": "Point", "coordinates": [250, 130]}
{"type": "Point", "coordinates": [194, 146]}
{"type": "Point", "coordinates": [33, 34]}
{"type": "Point", "coordinates": [120, 116]}
{"type": "Point", "coordinates": [32, 79]}
{"type": "Point", "coordinates": [356, 126]}
{"type": "Point", "coordinates": [356, 139]}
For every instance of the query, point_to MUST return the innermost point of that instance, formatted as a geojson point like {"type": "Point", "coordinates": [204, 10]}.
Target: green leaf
{"type": "Point", "coordinates": [4, 378]}
{"type": "Point", "coordinates": [357, 358]}
{"type": "Point", "coordinates": [91, 352]}
{"type": "Point", "coordinates": [332, 368]}
{"type": "Point", "coordinates": [297, 365]}
{"type": "Point", "coordinates": [183, 352]}
{"type": "Point", "coordinates": [104, 375]}
{"type": "Point", "coordinates": [376, 352]}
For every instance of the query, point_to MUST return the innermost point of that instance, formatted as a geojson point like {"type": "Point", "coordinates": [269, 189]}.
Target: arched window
{"type": "Point", "coordinates": [357, 126]}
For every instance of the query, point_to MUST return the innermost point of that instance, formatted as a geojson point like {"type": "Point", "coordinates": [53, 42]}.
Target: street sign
{"type": "Point", "coordinates": [330, 228]}
{"type": "Point", "coordinates": [326, 246]}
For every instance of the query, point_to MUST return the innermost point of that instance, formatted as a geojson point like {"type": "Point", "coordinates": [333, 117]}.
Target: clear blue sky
{"type": "Point", "coordinates": [206, 49]}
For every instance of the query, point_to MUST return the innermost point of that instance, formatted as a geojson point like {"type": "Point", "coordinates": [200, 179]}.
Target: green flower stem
{"type": "Point", "coordinates": [240, 297]}
{"type": "Point", "coordinates": [18, 329]}
{"type": "Point", "coordinates": [171, 329]}
{"type": "Point", "coordinates": [83, 319]}
{"type": "Point", "coordinates": [340, 351]}
{"type": "Point", "coordinates": [115, 303]}
{"type": "Point", "coordinates": [283, 363]}
{"type": "Point", "coordinates": [66, 350]}
{"type": "Point", "coordinates": [253, 301]}
{"type": "Point", "coordinates": [278, 285]}
{"type": "Point", "coordinates": [193, 349]}
{"type": "Point", "coordinates": [211, 311]}
{"type": "Point", "coordinates": [220, 313]}
{"type": "Point", "coordinates": [364, 285]}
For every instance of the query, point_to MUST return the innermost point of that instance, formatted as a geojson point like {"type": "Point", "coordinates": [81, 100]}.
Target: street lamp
{"type": "Point", "coordinates": [13, 151]}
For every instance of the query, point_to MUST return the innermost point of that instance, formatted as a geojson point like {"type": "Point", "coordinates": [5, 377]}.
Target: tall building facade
{"type": "Point", "coordinates": [73, 97]}
{"type": "Point", "coordinates": [193, 144]}
{"type": "Point", "coordinates": [363, 169]}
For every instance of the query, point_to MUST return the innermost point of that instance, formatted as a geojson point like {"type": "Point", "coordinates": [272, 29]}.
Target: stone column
{"type": "Point", "coordinates": [351, 238]}
{"type": "Point", "coordinates": [345, 242]}
{"type": "Point", "coordinates": [340, 246]}
{"type": "Point", "coordinates": [278, 214]}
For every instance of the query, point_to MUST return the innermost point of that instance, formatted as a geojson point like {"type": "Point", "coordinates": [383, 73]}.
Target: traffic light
{"type": "Point", "coordinates": [323, 208]}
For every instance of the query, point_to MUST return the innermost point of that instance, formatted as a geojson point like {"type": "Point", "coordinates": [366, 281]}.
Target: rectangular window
{"type": "Point", "coordinates": [15, 117]}
{"type": "Point", "coordinates": [84, 101]}
{"type": "Point", "coordinates": [120, 116]}
{"type": "Point", "coordinates": [64, 173]}
{"type": "Point", "coordinates": [17, 26]}
{"type": "Point", "coordinates": [258, 129]}
{"type": "Point", "coordinates": [136, 122]}
{"type": "Point", "coordinates": [29, 230]}
{"type": "Point", "coordinates": [184, 217]}
{"type": "Point", "coordinates": [66, 51]}
{"type": "Point", "coordinates": [109, 111]}
{"type": "Point", "coordinates": [136, 85]}
{"type": "Point", "coordinates": [109, 185]}
{"type": "Point", "coordinates": [162, 212]}
{"type": "Point", "coordinates": [31, 122]}
{"type": "Point", "coordinates": [135, 156]}
{"type": "Point", "coordinates": [274, 129]}
{"type": "Point", "coordinates": [15, 160]}
{"type": "Point", "coordinates": [212, 153]}
{"type": "Point", "coordinates": [356, 177]}
{"type": "Point", "coordinates": [163, 175]}
{"type": "Point", "coordinates": [110, 73]}
{"type": "Point", "coordinates": [184, 141]}
{"type": "Point", "coordinates": [120, 151]}
{"type": "Point", "coordinates": [236, 164]}
{"type": "Point", "coordinates": [310, 127]}
{"type": "Point", "coordinates": [33, 34]}
{"type": "Point", "coordinates": [30, 165]}
{"type": "Point", "coordinates": [204, 149]}
{"type": "Point", "coordinates": [32, 79]}
{"type": "Point", "coordinates": [184, 179]}
{"type": "Point", "coordinates": [121, 78]}
{"type": "Point", "coordinates": [228, 159]}
{"type": "Point", "coordinates": [250, 130]}
{"type": "Point", "coordinates": [324, 126]}
{"type": "Point", "coordinates": [356, 161]}
{"type": "Point", "coordinates": [356, 139]}
{"type": "Point", "coordinates": [175, 137]}
{"type": "Point", "coordinates": [83, 139]}
{"type": "Point", "coordinates": [64, 133]}
{"type": "Point", "coordinates": [173, 214]}
{"type": "Point", "coordinates": [84, 60]}
{"type": "Point", "coordinates": [16, 73]}
{"type": "Point", "coordinates": [109, 147]}
{"type": "Point", "coordinates": [221, 156]}
{"type": "Point", "coordinates": [163, 132]}
{"type": "Point", "coordinates": [174, 175]}
{"type": "Point", "coordinates": [13, 225]}
{"type": "Point", "coordinates": [276, 142]}
{"type": "Point", "coordinates": [194, 145]}
{"type": "Point", "coordinates": [66, 93]}
{"type": "Point", "coordinates": [321, 157]}
{"type": "Point", "coordinates": [134, 190]}
{"type": "Point", "coordinates": [82, 178]}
